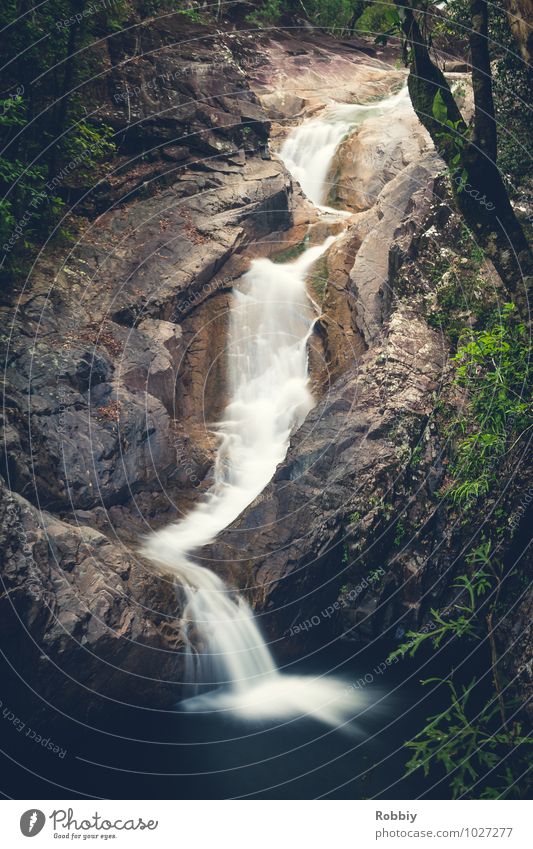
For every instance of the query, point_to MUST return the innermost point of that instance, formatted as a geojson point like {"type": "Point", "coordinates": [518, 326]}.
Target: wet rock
{"type": "Point", "coordinates": [296, 77]}
{"type": "Point", "coordinates": [361, 264]}
{"type": "Point", "coordinates": [114, 367]}
{"type": "Point", "coordinates": [115, 373]}
{"type": "Point", "coordinates": [374, 154]}
{"type": "Point", "coordinates": [84, 621]}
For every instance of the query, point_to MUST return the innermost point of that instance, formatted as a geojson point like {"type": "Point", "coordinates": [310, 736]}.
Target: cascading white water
{"type": "Point", "coordinates": [308, 151]}
{"type": "Point", "coordinates": [270, 324]}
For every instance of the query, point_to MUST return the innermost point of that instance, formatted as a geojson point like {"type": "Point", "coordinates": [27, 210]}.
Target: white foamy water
{"type": "Point", "coordinates": [309, 150]}
{"type": "Point", "coordinates": [280, 696]}
{"type": "Point", "coordinates": [270, 324]}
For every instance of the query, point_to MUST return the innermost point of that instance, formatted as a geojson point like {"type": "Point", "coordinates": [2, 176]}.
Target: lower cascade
{"type": "Point", "coordinates": [228, 665]}
{"type": "Point", "coordinates": [225, 653]}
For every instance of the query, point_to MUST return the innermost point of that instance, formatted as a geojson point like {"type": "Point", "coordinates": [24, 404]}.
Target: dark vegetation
{"type": "Point", "coordinates": [53, 143]}
{"type": "Point", "coordinates": [477, 743]}
{"type": "Point", "coordinates": [49, 138]}
{"type": "Point", "coordinates": [478, 740]}
{"type": "Point", "coordinates": [52, 140]}
{"type": "Point", "coordinates": [489, 158]}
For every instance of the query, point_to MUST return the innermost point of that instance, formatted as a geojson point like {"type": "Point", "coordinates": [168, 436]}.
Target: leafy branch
{"type": "Point", "coordinates": [441, 629]}
{"type": "Point", "coordinates": [467, 742]}
{"type": "Point", "coordinates": [465, 746]}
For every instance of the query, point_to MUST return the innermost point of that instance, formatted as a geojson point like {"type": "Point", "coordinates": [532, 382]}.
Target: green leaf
{"type": "Point", "coordinates": [440, 112]}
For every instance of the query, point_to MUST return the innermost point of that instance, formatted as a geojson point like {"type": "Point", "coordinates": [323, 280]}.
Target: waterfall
{"type": "Point", "coordinates": [309, 150]}
{"type": "Point", "coordinates": [270, 323]}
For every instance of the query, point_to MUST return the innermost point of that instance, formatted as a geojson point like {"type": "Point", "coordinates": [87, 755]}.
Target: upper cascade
{"type": "Point", "coordinates": [308, 151]}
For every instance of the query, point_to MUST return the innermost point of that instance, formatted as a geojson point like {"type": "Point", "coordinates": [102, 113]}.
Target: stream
{"type": "Point", "coordinates": [228, 665]}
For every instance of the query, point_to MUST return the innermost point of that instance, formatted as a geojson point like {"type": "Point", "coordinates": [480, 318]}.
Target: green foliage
{"type": "Point", "coordinates": [319, 278]}
{"type": "Point", "coordinates": [47, 141]}
{"type": "Point", "coordinates": [375, 576]}
{"type": "Point", "coordinates": [469, 745]}
{"type": "Point", "coordinates": [514, 116]}
{"type": "Point", "coordinates": [268, 12]}
{"type": "Point", "coordinates": [330, 14]}
{"type": "Point", "coordinates": [7, 219]}
{"type": "Point", "coordinates": [378, 18]}
{"type": "Point", "coordinates": [399, 532]}
{"type": "Point", "coordinates": [334, 15]}
{"type": "Point", "coordinates": [12, 111]}
{"type": "Point", "coordinates": [416, 456]}
{"type": "Point", "coordinates": [21, 184]}
{"type": "Point", "coordinates": [443, 628]}
{"type": "Point", "coordinates": [461, 293]}
{"type": "Point", "coordinates": [287, 254]}
{"type": "Point", "coordinates": [89, 144]}
{"type": "Point", "coordinates": [451, 137]}
{"type": "Point", "coordinates": [492, 365]}
{"type": "Point", "coordinates": [191, 11]}
{"type": "Point", "coordinates": [469, 740]}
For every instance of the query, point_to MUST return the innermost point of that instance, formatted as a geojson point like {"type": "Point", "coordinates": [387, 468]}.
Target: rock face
{"type": "Point", "coordinates": [349, 446]}
{"type": "Point", "coordinates": [114, 357]}
{"type": "Point", "coordinates": [297, 74]}
{"type": "Point", "coordinates": [369, 158]}
{"type": "Point", "coordinates": [79, 615]}
{"type": "Point", "coordinates": [353, 537]}
{"type": "Point", "coordinates": [370, 240]}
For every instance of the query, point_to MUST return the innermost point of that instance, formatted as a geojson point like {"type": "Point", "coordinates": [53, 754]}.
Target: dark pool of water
{"type": "Point", "coordinates": [186, 755]}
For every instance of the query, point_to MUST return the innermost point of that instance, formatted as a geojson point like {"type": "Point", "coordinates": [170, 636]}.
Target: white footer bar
{"type": "Point", "coordinates": [267, 824]}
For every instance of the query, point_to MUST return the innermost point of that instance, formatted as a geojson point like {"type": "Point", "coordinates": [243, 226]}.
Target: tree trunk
{"type": "Point", "coordinates": [60, 111]}
{"type": "Point", "coordinates": [520, 15]}
{"type": "Point", "coordinates": [477, 184]}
